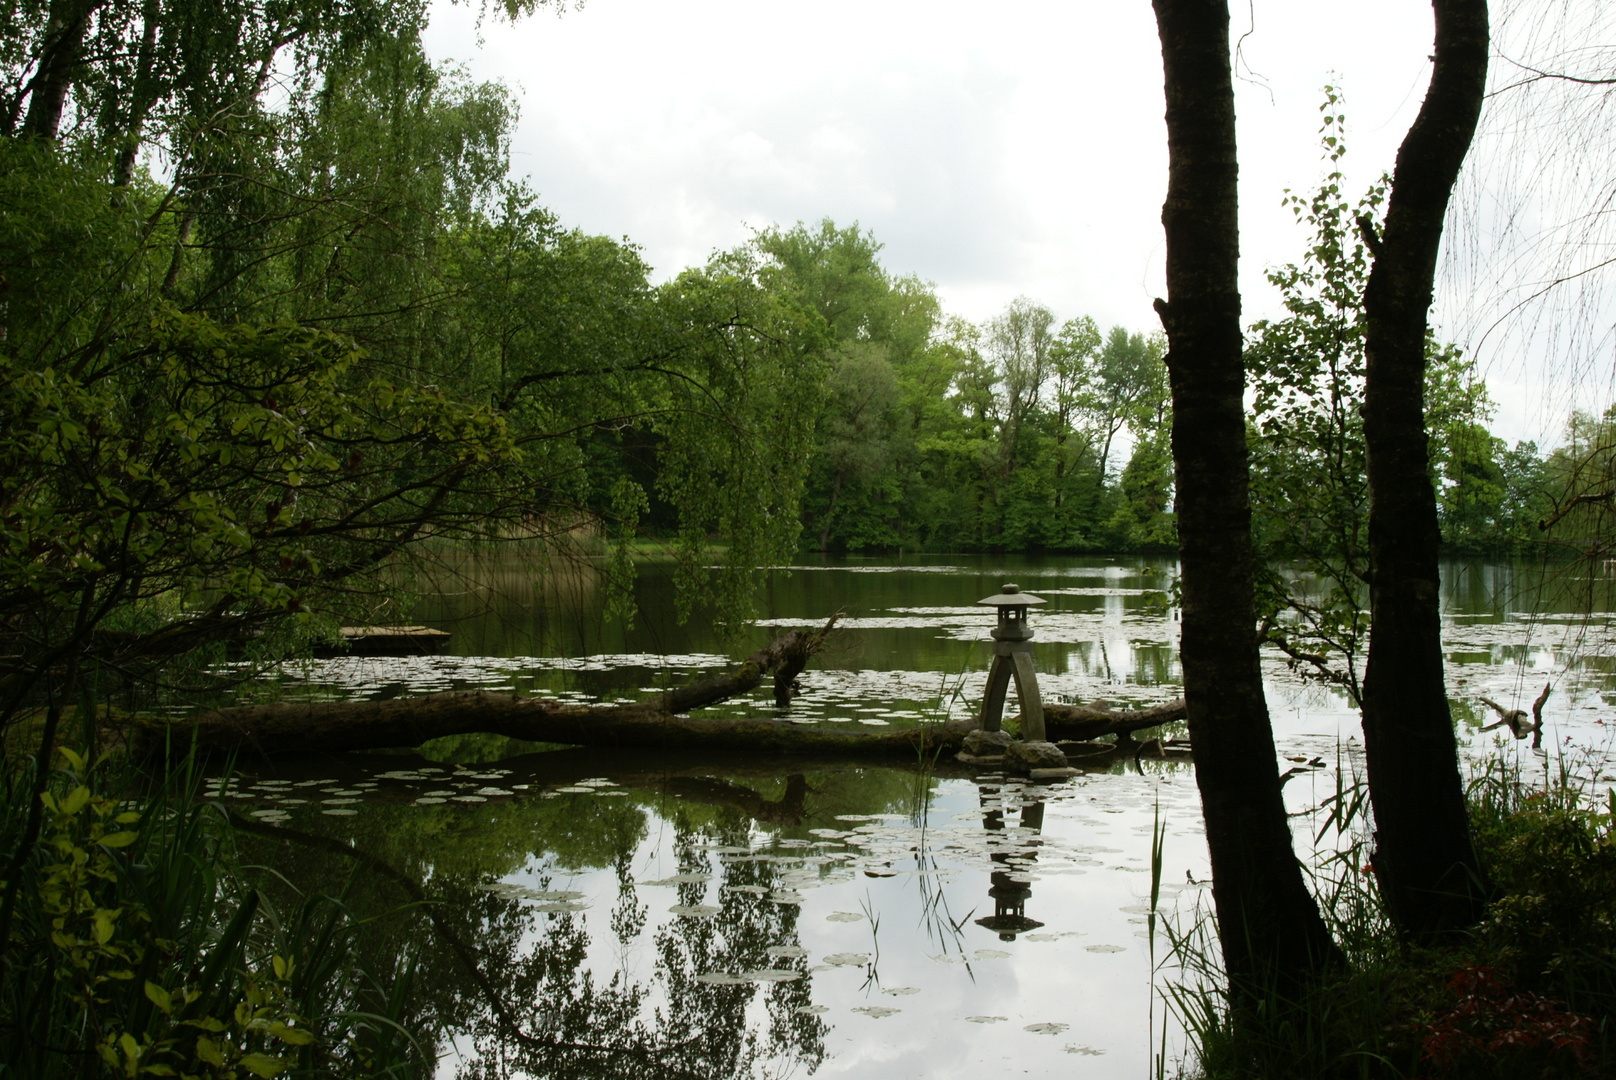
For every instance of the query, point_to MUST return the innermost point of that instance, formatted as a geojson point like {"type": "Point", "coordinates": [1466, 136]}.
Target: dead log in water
{"type": "Point", "coordinates": [325, 727]}
{"type": "Point", "coordinates": [1085, 722]}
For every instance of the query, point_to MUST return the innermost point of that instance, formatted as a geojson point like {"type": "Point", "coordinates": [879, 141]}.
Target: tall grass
{"type": "Point", "coordinates": [1531, 991]}
{"type": "Point", "coordinates": [143, 947]}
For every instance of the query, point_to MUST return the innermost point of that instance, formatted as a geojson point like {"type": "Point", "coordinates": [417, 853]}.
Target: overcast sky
{"type": "Point", "coordinates": [995, 150]}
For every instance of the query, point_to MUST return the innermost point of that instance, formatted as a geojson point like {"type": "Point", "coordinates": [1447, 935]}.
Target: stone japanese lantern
{"type": "Point", "coordinates": [1012, 659]}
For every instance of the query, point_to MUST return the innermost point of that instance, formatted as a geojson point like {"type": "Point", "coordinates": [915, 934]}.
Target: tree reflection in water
{"type": "Point", "coordinates": [510, 991]}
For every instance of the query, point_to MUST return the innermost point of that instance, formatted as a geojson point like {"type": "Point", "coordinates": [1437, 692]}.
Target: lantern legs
{"type": "Point", "coordinates": [1017, 665]}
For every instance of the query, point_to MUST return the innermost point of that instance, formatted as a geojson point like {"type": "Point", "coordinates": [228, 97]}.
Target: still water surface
{"type": "Point", "coordinates": [611, 914]}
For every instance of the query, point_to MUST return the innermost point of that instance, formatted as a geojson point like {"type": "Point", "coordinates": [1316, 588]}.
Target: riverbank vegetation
{"type": "Point", "coordinates": [1531, 991]}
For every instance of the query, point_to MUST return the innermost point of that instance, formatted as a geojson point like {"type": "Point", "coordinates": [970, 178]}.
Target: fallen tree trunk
{"type": "Point", "coordinates": [1084, 722]}
{"type": "Point", "coordinates": [338, 726]}
{"type": "Point", "coordinates": [326, 727]}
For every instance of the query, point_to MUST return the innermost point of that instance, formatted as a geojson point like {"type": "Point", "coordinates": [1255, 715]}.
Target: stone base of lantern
{"type": "Point", "coordinates": [1033, 755]}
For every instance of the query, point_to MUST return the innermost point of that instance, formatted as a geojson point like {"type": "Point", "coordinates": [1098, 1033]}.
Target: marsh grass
{"type": "Point", "coordinates": [1530, 992]}
{"type": "Point", "coordinates": [142, 946]}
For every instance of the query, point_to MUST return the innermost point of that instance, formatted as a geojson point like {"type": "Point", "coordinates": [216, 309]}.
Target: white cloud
{"type": "Point", "coordinates": [995, 150]}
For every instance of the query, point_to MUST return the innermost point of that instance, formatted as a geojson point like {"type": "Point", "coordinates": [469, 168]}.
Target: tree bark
{"type": "Point", "coordinates": [326, 727]}
{"type": "Point", "coordinates": [61, 53]}
{"type": "Point", "coordinates": [1424, 860]}
{"type": "Point", "coordinates": [1269, 926]}
{"type": "Point", "coordinates": [1088, 722]}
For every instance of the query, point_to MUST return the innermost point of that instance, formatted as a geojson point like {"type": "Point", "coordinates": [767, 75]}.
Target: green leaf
{"type": "Point", "coordinates": [207, 1052]}
{"type": "Point", "coordinates": [292, 1036]}
{"type": "Point", "coordinates": [159, 997]}
{"type": "Point", "coordinates": [262, 1065]}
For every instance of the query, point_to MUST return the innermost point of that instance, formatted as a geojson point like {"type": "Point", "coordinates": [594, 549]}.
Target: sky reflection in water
{"type": "Point", "coordinates": [828, 922]}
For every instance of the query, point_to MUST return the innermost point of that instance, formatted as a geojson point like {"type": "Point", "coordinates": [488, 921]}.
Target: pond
{"type": "Point", "coordinates": [609, 913]}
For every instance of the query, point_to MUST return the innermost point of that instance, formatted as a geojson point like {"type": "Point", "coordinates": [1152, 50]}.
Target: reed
{"type": "Point", "coordinates": [1531, 991]}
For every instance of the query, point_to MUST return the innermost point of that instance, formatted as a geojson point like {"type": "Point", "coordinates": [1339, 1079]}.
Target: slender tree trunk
{"type": "Point", "coordinates": [142, 96]}
{"type": "Point", "coordinates": [830, 511]}
{"type": "Point", "coordinates": [1271, 932]}
{"type": "Point", "coordinates": [1424, 859]}
{"type": "Point", "coordinates": [65, 29]}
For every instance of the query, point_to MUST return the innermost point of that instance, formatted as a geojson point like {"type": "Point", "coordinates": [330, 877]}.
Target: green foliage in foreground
{"type": "Point", "coordinates": [1531, 992]}
{"type": "Point", "coordinates": [142, 948]}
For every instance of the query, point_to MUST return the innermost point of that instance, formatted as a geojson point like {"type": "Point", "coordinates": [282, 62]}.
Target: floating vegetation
{"type": "Point", "coordinates": [844, 916]}
{"type": "Point", "coordinates": [695, 911]}
{"type": "Point", "coordinates": [1046, 1029]}
{"type": "Point", "coordinates": [847, 959]}
{"type": "Point", "coordinates": [986, 1019]}
{"type": "Point", "coordinates": [902, 991]}
{"type": "Point", "coordinates": [876, 1012]}
{"type": "Point", "coordinates": [1105, 948]}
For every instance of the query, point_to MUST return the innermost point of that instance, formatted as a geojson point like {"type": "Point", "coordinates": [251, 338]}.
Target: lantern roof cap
{"type": "Point", "coordinates": [1011, 596]}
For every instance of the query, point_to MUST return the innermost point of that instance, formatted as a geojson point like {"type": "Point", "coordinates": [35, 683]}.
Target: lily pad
{"type": "Point", "coordinates": [722, 978]}
{"type": "Point", "coordinates": [695, 911]}
{"type": "Point", "coordinates": [846, 959]}
{"type": "Point", "coordinates": [876, 1012]}
{"type": "Point", "coordinates": [811, 1010]}
{"type": "Point", "coordinates": [990, 954]}
{"type": "Point", "coordinates": [1046, 1029]}
{"type": "Point", "coordinates": [901, 991]}
{"type": "Point", "coordinates": [1105, 948]}
{"type": "Point", "coordinates": [787, 952]}
{"type": "Point", "coordinates": [986, 1019]}
{"type": "Point", "coordinates": [844, 916]}
{"type": "Point", "coordinates": [773, 975]}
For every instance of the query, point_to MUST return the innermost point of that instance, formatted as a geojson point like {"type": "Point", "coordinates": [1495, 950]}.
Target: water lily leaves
{"type": "Point", "coordinates": [1046, 1029]}
{"type": "Point", "coordinates": [773, 975]}
{"type": "Point", "coordinates": [786, 952]}
{"type": "Point", "coordinates": [722, 978]}
{"type": "Point", "coordinates": [811, 1010]}
{"type": "Point", "coordinates": [695, 911]}
{"type": "Point", "coordinates": [1105, 948]}
{"type": "Point", "coordinates": [986, 1019]}
{"type": "Point", "coordinates": [680, 879]}
{"type": "Point", "coordinates": [847, 959]}
{"type": "Point", "coordinates": [901, 991]}
{"type": "Point", "coordinates": [844, 916]}
{"type": "Point", "coordinates": [876, 1012]}
{"type": "Point", "coordinates": [1086, 1051]}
